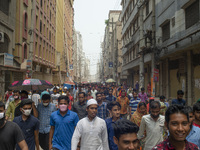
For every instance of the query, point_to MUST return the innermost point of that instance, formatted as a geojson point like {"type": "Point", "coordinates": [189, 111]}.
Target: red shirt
{"type": "Point", "coordinates": [71, 99]}
{"type": "Point", "coordinates": [196, 125]}
{"type": "Point", "coordinates": [165, 145]}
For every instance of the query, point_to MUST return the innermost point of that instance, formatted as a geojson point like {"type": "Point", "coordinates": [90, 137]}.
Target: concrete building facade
{"type": "Point", "coordinates": [9, 65]}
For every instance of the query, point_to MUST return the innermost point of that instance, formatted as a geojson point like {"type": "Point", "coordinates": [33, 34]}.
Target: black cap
{"type": "Point", "coordinates": [26, 102]}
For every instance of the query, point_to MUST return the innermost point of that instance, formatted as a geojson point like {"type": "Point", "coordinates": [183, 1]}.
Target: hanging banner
{"type": "Point", "coordinates": [156, 75]}
{"type": "Point", "coordinates": [71, 67]}
{"type": "Point", "coordinates": [110, 64]}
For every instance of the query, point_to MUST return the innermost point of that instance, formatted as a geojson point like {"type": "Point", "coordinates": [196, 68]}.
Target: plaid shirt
{"type": "Point", "coordinates": [102, 111]}
{"type": "Point", "coordinates": [44, 114]}
{"type": "Point", "coordinates": [166, 145]}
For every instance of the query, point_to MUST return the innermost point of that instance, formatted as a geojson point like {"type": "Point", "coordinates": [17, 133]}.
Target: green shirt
{"type": "Point", "coordinates": [11, 109]}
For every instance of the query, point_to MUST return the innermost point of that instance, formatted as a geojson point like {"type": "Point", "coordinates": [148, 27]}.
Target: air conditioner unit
{"type": "Point", "coordinates": [1, 37]}
{"type": "Point", "coordinates": [37, 68]}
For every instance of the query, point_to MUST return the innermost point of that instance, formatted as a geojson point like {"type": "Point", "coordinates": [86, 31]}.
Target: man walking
{"type": "Point", "coordinates": [133, 103]}
{"type": "Point", "coordinates": [153, 124]}
{"type": "Point", "coordinates": [28, 124]}
{"type": "Point", "coordinates": [44, 112]}
{"type": "Point", "coordinates": [80, 106]}
{"type": "Point", "coordinates": [179, 100]}
{"type": "Point", "coordinates": [124, 102]}
{"type": "Point", "coordinates": [63, 123]}
{"type": "Point", "coordinates": [110, 96]}
{"type": "Point", "coordinates": [12, 105]}
{"type": "Point", "coordinates": [91, 130]}
{"type": "Point", "coordinates": [10, 133]}
{"type": "Point", "coordinates": [177, 122]}
{"type": "Point", "coordinates": [102, 111]}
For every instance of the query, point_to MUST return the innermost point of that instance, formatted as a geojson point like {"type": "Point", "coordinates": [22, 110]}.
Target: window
{"type": "Point", "coordinates": [166, 31]}
{"type": "Point", "coordinates": [41, 3]}
{"type": "Point", "coordinates": [192, 14]}
{"type": "Point", "coordinates": [24, 51]}
{"type": "Point", "coordinates": [4, 46]}
{"type": "Point", "coordinates": [147, 8]}
{"type": "Point", "coordinates": [25, 2]}
{"type": "Point", "coordinates": [49, 35]}
{"type": "Point", "coordinates": [25, 24]}
{"type": "Point", "coordinates": [4, 6]}
{"type": "Point", "coordinates": [40, 26]}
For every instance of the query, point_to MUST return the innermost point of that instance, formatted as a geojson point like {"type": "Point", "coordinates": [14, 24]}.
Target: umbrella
{"type": "Point", "coordinates": [110, 81]}
{"type": "Point", "coordinates": [30, 84]}
{"type": "Point", "coordinates": [69, 82]}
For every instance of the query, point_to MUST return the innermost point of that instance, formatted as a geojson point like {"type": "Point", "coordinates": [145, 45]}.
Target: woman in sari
{"type": "Point", "coordinates": [137, 117]}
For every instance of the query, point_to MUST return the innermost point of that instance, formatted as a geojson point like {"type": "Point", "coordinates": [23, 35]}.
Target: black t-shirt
{"type": "Point", "coordinates": [10, 135]}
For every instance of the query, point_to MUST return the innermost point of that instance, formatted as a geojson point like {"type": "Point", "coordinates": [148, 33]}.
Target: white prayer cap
{"type": "Point", "coordinates": [91, 101]}
{"type": "Point", "coordinates": [65, 87]}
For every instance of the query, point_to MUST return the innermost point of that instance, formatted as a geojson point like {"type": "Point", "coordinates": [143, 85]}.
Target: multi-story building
{"type": "Point", "coordinates": [9, 65]}
{"type": "Point", "coordinates": [178, 40]}
{"type": "Point", "coordinates": [161, 39]}
{"type": "Point", "coordinates": [108, 47]}
{"type": "Point", "coordinates": [138, 26]}
{"type": "Point", "coordinates": [64, 41]}
{"type": "Point", "coordinates": [43, 38]}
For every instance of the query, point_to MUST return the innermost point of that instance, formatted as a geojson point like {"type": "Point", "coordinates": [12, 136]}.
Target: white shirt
{"type": "Point", "coordinates": [93, 93]}
{"type": "Point", "coordinates": [93, 135]}
{"type": "Point", "coordinates": [154, 131]}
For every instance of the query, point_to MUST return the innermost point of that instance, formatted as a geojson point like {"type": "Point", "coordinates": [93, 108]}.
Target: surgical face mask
{"type": "Point", "coordinates": [26, 112]}
{"type": "Point", "coordinates": [45, 104]}
{"type": "Point", "coordinates": [1, 115]}
{"type": "Point", "coordinates": [2, 119]}
{"type": "Point", "coordinates": [63, 107]}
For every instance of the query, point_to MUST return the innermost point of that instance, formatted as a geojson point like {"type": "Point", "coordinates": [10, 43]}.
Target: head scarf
{"type": "Point", "coordinates": [137, 116]}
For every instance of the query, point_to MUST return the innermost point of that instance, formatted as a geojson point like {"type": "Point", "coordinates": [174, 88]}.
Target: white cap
{"type": "Point", "coordinates": [91, 101]}
{"type": "Point", "coordinates": [65, 87]}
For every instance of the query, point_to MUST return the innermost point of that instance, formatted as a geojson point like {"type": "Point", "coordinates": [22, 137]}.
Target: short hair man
{"type": "Point", "coordinates": [179, 100]}
{"type": "Point", "coordinates": [124, 102]}
{"type": "Point", "coordinates": [154, 126]}
{"type": "Point", "coordinates": [28, 124]}
{"type": "Point", "coordinates": [196, 109]}
{"type": "Point", "coordinates": [80, 106]}
{"type": "Point", "coordinates": [91, 129]}
{"type": "Point", "coordinates": [44, 112]}
{"type": "Point", "coordinates": [126, 135]}
{"type": "Point", "coordinates": [63, 123]}
{"type": "Point", "coordinates": [10, 133]}
{"type": "Point", "coordinates": [177, 122]}
{"type": "Point", "coordinates": [110, 96]}
{"type": "Point", "coordinates": [102, 111]}
{"type": "Point", "coordinates": [194, 134]}
{"type": "Point", "coordinates": [114, 109]}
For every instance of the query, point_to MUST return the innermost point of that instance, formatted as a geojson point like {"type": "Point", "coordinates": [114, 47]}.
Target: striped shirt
{"type": "Point", "coordinates": [133, 104]}
{"type": "Point", "coordinates": [102, 111]}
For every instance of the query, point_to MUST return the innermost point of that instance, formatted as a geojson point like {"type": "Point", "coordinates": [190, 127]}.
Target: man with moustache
{"type": "Point", "coordinates": [91, 130]}
{"type": "Point", "coordinates": [12, 105]}
{"type": "Point", "coordinates": [10, 133]}
{"type": "Point", "coordinates": [153, 124]}
{"type": "Point", "coordinates": [178, 124]}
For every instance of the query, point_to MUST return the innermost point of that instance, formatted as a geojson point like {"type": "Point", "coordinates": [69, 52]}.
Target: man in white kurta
{"type": "Point", "coordinates": [91, 131]}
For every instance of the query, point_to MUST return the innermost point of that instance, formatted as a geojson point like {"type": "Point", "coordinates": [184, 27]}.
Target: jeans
{"type": "Point", "coordinates": [44, 141]}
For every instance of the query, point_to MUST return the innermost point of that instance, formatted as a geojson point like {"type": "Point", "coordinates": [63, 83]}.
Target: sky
{"type": "Point", "coordinates": [89, 19]}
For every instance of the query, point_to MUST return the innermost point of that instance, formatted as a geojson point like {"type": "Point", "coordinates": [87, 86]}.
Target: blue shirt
{"type": "Point", "coordinates": [64, 129]}
{"type": "Point", "coordinates": [102, 111]}
{"type": "Point", "coordinates": [133, 104]}
{"type": "Point", "coordinates": [28, 127]}
{"type": "Point", "coordinates": [179, 102]}
{"type": "Point", "coordinates": [110, 98]}
{"type": "Point", "coordinates": [110, 130]}
{"type": "Point", "coordinates": [194, 136]}
{"type": "Point", "coordinates": [44, 114]}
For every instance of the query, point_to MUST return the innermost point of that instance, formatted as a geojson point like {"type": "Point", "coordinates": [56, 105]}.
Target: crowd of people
{"type": "Point", "coordinates": [97, 117]}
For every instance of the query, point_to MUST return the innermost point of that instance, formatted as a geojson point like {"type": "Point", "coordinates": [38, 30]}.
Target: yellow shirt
{"type": "Point", "coordinates": [11, 109]}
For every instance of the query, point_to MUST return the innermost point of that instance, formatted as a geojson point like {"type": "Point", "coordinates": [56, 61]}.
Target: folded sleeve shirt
{"type": "Point", "coordinates": [154, 130]}
{"type": "Point", "coordinates": [194, 136]}
{"type": "Point", "coordinates": [93, 135]}
{"type": "Point", "coordinates": [64, 129]}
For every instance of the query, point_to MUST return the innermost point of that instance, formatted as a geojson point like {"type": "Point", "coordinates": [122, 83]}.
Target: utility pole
{"type": "Point", "coordinates": [154, 48]}
{"type": "Point", "coordinates": [141, 74]}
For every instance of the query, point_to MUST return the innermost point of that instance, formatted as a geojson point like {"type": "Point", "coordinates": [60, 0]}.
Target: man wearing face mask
{"type": "Point", "coordinates": [12, 105]}
{"type": "Point", "coordinates": [28, 124]}
{"type": "Point", "coordinates": [10, 133]}
{"type": "Point", "coordinates": [153, 124]}
{"type": "Point", "coordinates": [44, 112]}
{"type": "Point", "coordinates": [63, 123]}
